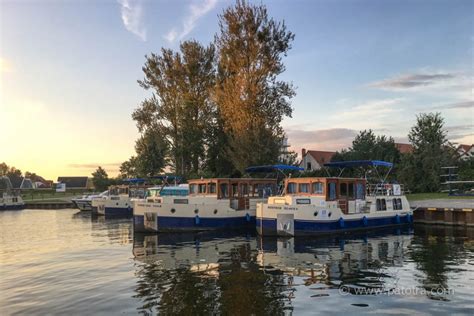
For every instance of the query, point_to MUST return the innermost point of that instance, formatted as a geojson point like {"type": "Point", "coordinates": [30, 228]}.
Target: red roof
{"type": "Point", "coordinates": [465, 147]}
{"type": "Point", "coordinates": [321, 157]}
{"type": "Point", "coordinates": [404, 148]}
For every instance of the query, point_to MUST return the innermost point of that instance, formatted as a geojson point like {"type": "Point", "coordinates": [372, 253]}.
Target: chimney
{"type": "Point", "coordinates": [303, 153]}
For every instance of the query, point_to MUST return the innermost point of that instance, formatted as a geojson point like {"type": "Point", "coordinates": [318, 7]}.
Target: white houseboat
{"type": "Point", "coordinates": [119, 200]}
{"type": "Point", "coordinates": [319, 205]}
{"type": "Point", "coordinates": [84, 203]}
{"type": "Point", "coordinates": [219, 203]}
{"type": "Point", "coordinates": [9, 198]}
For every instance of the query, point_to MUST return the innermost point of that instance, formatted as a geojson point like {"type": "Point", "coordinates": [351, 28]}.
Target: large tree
{"type": "Point", "coordinates": [251, 100]}
{"type": "Point", "coordinates": [421, 170]}
{"type": "Point", "coordinates": [180, 107]}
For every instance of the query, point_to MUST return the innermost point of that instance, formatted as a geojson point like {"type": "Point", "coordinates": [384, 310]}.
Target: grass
{"type": "Point", "coordinates": [39, 195]}
{"type": "Point", "coordinates": [435, 196]}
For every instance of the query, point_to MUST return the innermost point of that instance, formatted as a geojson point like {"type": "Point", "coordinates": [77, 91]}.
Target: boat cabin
{"type": "Point", "coordinates": [237, 190]}
{"type": "Point", "coordinates": [341, 190]}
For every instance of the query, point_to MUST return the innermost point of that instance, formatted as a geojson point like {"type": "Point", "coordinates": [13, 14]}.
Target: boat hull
{"type": "Point", "coordinates": [194, 223]}
{"type": "Point", "coordinates": [14, 207]}
{"type": "Point", "coordinates": [269, 226]}
{"type": "Point", "coordinates": [83, 205]}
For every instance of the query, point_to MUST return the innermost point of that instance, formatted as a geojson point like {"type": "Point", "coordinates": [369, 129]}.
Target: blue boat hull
{"type": "Point", "coordinates": [268, 226]}
{"type": "Point", "coordinates": [176, 224]}
{"type": "Point", "coordinates": [118, 212]}
{"type": "Point", "coordinates": [12, 207]}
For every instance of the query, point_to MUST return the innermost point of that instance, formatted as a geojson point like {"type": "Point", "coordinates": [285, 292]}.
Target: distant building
{"type": "Point", "coordinates": [404, 148]}
{"type": "Point", "coordinates": [76, 182]}
{"type": "Point", "coordinates": [465, 152]}
{"type": "Point", "coordinates": [315, 159]}
{"type": "Point", "coordinates": [22, 183]}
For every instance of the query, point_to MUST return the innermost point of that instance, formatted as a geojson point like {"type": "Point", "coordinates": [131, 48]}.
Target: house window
{"type": "Point", "coordinates": [303, 188]}
{"type": "Point", "coordinates": [308, 166]}
{"type": "Point", "coordinates": [291, 187]}
{"type": "Point", "coordinates": [318, 188]}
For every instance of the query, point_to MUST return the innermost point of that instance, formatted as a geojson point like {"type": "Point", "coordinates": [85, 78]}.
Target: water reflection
{"type": "Point", "coordinates": [58, 262]}
{"type": "Point", "coordinates": [215, 274]}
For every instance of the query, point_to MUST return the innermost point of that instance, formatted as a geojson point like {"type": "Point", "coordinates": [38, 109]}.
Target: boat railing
{"type": "Point", "coordinates": [387, 189]}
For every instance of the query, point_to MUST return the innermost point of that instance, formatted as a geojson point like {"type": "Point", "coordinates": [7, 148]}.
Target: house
{"type": "Point", "coordinates": [315, 159]}
{"type": "Point", "coordinates": [76, 182]}
{"type": "Point", "coordinates": [22, 183]}
{"type": "Point", "coordinates": [404, 148]}
{"type": "Point", "coordinates": [465, 152]}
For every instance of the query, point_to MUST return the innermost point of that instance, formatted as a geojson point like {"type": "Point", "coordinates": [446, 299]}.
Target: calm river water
{"type": "Point", "coordinates": [67, 262]}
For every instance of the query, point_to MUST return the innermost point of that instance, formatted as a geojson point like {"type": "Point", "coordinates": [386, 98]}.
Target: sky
{"type": "Point", "coordinates": [69, 72]}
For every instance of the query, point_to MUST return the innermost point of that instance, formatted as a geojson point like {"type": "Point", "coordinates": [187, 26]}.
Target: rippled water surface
{"type": "Point", "coordinates": [65, 261]}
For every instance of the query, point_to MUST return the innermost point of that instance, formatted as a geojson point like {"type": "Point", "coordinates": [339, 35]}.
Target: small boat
{"type": "Point", "coordinates": [119, 200]}
{"type": "Point", "coordinates": [84, 203]}
{"type": "Point", "coordinates": [10, 199]}
{"type": "Point", "coordinates": [321, 205]}
{"type": "Point", "coordinates": [218, 203]}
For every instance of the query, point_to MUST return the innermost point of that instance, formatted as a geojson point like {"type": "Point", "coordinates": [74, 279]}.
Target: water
{"type": "Point", "coordinates": [57, 262]}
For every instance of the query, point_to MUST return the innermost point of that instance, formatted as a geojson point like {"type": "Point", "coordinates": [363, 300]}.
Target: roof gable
{"type": "Point", "coordinates": [321, 157]}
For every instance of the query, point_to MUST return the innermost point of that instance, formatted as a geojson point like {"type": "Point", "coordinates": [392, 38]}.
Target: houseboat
{"type": "Point", "coordinates": [9, 198]}
{"type": "Point", "coordinates": [84, 203]}
{"type": "Point", "coordinates": [118, 202]}
{"type": "Point", "coordinates": [219, 203]}
{"type": "Point", "coordinates": [319, 205]}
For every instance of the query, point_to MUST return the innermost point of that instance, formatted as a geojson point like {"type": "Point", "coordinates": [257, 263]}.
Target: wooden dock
{"type": "Point", "coordinates": [444, 212]}
{"type": "Point", "coordinates": [52, 204]}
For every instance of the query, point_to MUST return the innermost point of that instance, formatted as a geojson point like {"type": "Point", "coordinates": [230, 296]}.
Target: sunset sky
{"type": "Point", "coordinates": [69, 72]}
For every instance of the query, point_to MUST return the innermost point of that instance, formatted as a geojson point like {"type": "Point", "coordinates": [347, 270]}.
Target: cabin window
{"type": "Point", "coordinates": [303, 201]}
{"type": "Point", "coordinates": [268, 189]}
{"type": "Point", "coordinates": [351, 190]}
{"type": "Point", "coordinates": [291, 188]}
{"type": "Point", "coordinates": [343, 189]}
{"type": "Point", "coordinates": [235, 190]}
{"type": "Point", "coordinates": [193, 188]}
{"type": "Point", "coordinates": [397, 204]}
{"type": "Point", "coordinates": [360, 191]}
{"type": "Point", "coordinates": [332, 191]}
{"type": "Point", "coordinates": [202, 188]}
{"type": "Point", "coordinates": [303, 188]}
{"type": "Point", "coordinates": [224, 188]}
{"type": "Point", "coordinates": [245, 189]}
{"type": "Point", "coordinates": [212, 188]}
{"type": "Point", "coordinates": [318, 188]}
{"type": "Point", "coordinates": [381, 205]}
{"type": "Point", "coordinates": [180, 201]}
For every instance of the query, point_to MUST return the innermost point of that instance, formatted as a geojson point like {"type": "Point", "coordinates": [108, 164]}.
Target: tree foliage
{"type": "Point", "coordinates": [100, 179]}
{"type": "Point", "coordinates": [251, 100]}
{"type": "Point", "coordinates": [421, 169]}
{"type": "Point", "coordinates": [180, 111]}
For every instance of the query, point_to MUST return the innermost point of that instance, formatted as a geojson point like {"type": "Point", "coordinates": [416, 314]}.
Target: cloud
{"type": "Point", "coordinates": [131, 11]}
{"type": "Point", "coordinates": [456, 105]}
{"type": "Point", "coordinates": [196, 11]}
{"type": "Point", "coordinates": [331, 139]}
{"type": "Point", "coordinates": [411, 81]}
{"type": "Point", "coordinates": [93, 165]}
